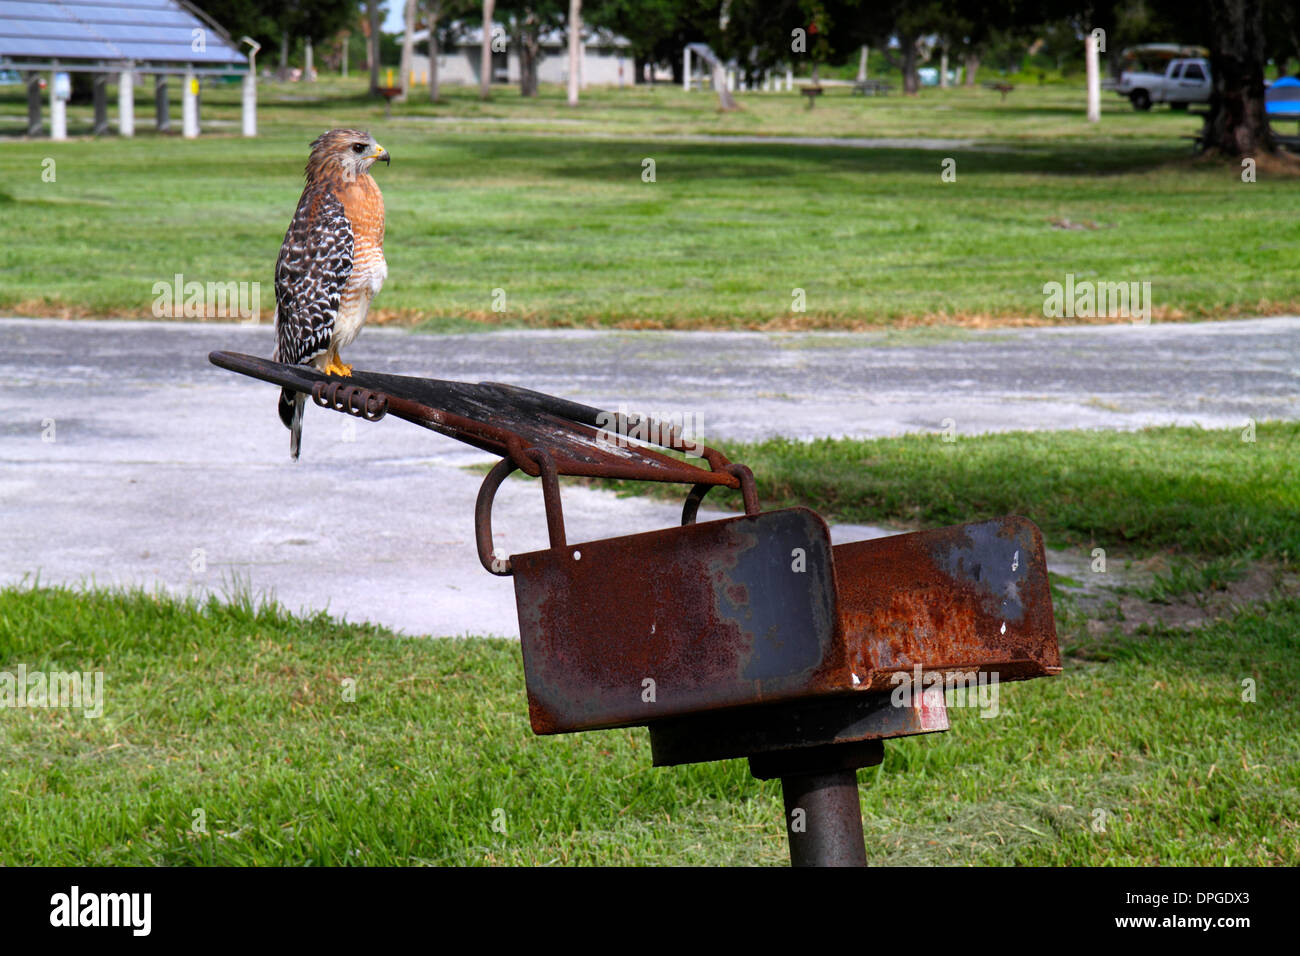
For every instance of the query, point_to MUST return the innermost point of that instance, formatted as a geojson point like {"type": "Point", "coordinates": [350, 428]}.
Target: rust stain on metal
{"type": "Point", "coordinates": [717, 617]}
{"type": "Point", "coordinates": [970, 598]}
{"type": "Point", "coordinates": [712, 614]}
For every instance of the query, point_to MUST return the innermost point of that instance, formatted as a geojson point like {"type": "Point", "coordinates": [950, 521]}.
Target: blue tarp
{"type": "Point", "coordinates": [1283, 97]}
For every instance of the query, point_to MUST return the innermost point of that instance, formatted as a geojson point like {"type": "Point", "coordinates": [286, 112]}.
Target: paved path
{"type": "Point", "coordinates": [159, 459]}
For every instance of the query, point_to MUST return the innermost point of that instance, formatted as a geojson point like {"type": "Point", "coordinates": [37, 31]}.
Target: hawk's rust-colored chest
{"type": "Point", "coordinates": [363, 204]}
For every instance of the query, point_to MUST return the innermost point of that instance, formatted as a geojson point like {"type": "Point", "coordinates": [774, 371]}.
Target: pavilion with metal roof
{"type": "Point", "coordinates": [126, 38]}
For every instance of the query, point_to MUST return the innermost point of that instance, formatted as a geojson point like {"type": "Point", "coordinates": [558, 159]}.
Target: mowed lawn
{"type": "Point", "coordinates": [234, 733]}
{"type": "Point", "coordinates": [549, 205]}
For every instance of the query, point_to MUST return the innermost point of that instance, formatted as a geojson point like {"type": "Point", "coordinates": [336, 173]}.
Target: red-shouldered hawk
{"type": "Point", "coordinates": [331, 264]}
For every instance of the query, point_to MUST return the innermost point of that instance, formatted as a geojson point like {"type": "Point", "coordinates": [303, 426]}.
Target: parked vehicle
{"type": "Point", "coordinates": [1184, 81]}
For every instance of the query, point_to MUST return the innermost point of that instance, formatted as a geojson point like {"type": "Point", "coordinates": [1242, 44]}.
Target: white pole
{"type": "Point", "coordinates": [58, 112]}
{"type": "Point", "coordinates": [189, 106]}
{"type": "Point", "coordinates": [249, 110]}
{"type": "Point", "coordinates": [789, 78]}
{"type": "Point", "coordinates": [1094, 77]}
{"type": "Point", "coordinates": [686, 69]}
{"type": "Point", "coordinates": [248, 106]}
{"type": "Point", "coordinates": [126, 103]}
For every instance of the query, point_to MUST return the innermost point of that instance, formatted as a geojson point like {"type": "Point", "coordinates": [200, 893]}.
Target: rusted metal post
{"type": "Point", "coordinates": [823, 819]}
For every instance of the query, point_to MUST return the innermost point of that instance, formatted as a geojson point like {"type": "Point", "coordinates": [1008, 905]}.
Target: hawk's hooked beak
{"type": "Point", "coordinates": [381, 153]}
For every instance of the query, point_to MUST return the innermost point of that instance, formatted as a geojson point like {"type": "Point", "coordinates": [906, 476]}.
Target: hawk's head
{"type": "Point", "coordinates": [343, 154]}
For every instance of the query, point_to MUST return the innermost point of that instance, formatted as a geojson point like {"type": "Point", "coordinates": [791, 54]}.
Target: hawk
{"type": "Point", "coordinates": [331, 264]}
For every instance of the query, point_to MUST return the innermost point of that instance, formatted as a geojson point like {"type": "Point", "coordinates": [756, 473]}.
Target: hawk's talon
{"type": "Point", "coordinates": [336, 367]}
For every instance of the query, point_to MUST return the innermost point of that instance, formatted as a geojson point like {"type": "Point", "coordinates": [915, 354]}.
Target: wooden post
{"type": "Point", "coordinates": [686, 69]}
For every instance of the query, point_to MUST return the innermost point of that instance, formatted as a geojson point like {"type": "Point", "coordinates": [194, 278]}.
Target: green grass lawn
{"type": "Point", "coordinates": [548, 204]}
{"type": "Point", "coordinates": [1188, 492]}
{"type": "Point", "coordinates": [241, 711]}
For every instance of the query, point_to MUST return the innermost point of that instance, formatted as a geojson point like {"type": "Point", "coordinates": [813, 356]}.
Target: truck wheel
{"type": "Point", "coordinates": [1141, 100]}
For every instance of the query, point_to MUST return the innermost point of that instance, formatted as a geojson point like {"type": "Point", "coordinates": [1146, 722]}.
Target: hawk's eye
{"type": "Point", "coordinates": [358, 147]}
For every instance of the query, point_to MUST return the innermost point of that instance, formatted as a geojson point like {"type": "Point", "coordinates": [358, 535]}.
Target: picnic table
{"type": "Point", "coordinates": [872, 88]}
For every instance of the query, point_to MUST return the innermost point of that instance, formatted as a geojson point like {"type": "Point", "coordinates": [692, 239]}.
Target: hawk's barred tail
{"type": "Point", "coordinates": [291, 405]}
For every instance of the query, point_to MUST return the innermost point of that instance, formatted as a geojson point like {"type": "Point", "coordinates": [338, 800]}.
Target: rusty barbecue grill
{"type": "Point", "coordinates": [751, 636]}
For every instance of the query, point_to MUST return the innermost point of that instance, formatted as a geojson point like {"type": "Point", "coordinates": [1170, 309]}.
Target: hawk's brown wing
{"type": "Point", "coordinates": [314, 265]}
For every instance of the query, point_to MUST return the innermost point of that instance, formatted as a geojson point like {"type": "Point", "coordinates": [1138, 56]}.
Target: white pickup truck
{"type": "Point", "coordinates": [1184, 81]}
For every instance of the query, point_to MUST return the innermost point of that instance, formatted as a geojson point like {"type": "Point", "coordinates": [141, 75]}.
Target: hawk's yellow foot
{"type": "Point", "coordinates": [336, 367]}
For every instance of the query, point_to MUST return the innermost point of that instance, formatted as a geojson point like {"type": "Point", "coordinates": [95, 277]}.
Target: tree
{"type": "Point", "coordinates": [372, 44]}
{"type": "Point", "coordinates": [575, 48]}
{"type": "Point", "coordinates": [280, 25]}
{"type": "Point", "coordinates": [435, 12]}
{"type": "Point", "coordinates": [1237, 124]}
{"type": "Point", "coordinates": [527, 21]}
{"type": "Point", "coordinates": [485, 54]}
{"type": "Point", "coordinates": [1238, 34]}
{"type": "Point", "coordinates": [909, 23]}
{"type": "Point", "coordinates": [647, 25]}
{"type": "Point", "coordinates": [408, 50]}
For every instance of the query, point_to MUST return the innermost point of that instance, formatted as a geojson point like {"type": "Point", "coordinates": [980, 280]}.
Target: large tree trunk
{"type": "Point", "coordinates": [372, 46]}
{"type": "Point", "coordinates": [530, 48]}
{"type": "Point", "coordinates": [1237, 124]}
{"type": "Point", "coordinates": [972, 65]}
{"type": "Point", "coordinates": [435, 12]}
{"type": "Point", "coordinates": [485, 55]}
{"type": "Point", "coordinates": [284, 57]}
{"type": "Point", "coordinates": [575, 49]}
{"type": "Point", "coordinates": [911, 79]}
{"type": "Point", "coordinates": [408, 51]}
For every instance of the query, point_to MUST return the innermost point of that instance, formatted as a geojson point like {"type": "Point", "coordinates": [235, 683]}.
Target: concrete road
{"type": "Point", "coordinates": [126, 459]}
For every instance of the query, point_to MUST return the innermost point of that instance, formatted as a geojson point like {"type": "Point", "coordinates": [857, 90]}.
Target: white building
{"type": "Point", "coordinates": [606, 58]}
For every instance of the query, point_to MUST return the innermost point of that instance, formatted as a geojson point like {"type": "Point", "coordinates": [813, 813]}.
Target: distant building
{"type": "Point", "coordinates": [606, 59]}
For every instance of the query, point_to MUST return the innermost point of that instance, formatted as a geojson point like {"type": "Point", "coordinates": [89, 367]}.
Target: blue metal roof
{"type": "Point", "coordinates": [146, 31]}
